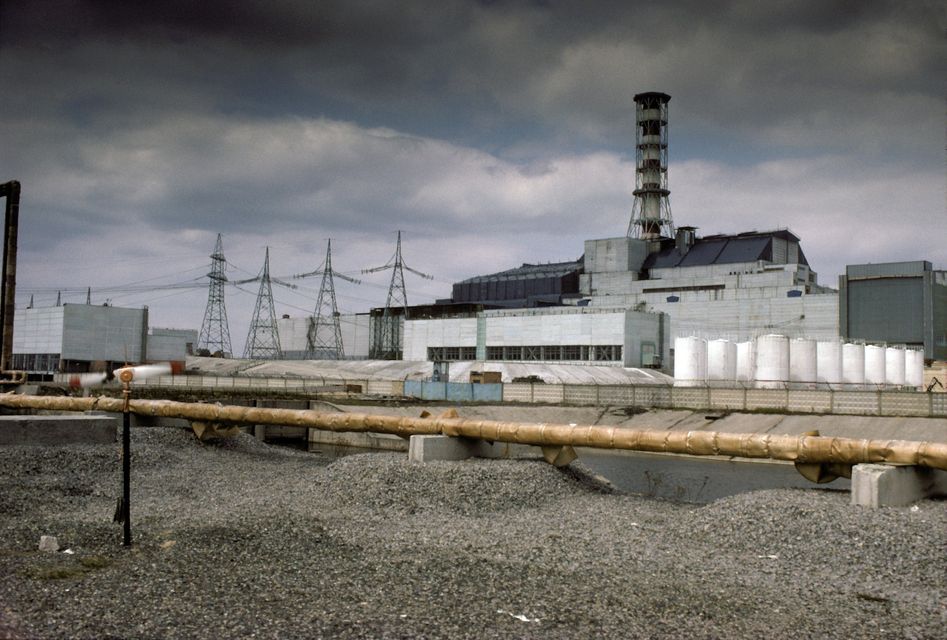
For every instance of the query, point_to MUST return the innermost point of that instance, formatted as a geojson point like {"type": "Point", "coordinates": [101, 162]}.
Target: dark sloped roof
{"type": "Point", "coordinates": [746, 250]}
{"type": "Point", "coordinates": [722, 249]}
{"type": "Point", "coordinates": [554, 269]}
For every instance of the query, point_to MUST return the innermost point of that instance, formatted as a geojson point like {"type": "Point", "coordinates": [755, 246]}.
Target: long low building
{"type": "Point", "coordinates": [578, 335]}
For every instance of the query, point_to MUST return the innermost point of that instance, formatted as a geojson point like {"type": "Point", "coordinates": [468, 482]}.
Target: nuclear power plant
{"type": "Point", "coordinates": [648, 298]}
{"type": "Point", "coordinates": [741, 308]}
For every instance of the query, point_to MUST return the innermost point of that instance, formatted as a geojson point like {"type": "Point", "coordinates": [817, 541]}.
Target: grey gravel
{"type": "Point", "coordinates": [242, 539]}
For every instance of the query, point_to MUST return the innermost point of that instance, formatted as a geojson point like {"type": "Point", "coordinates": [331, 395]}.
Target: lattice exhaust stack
{"type": "Point", "coordinates": [651, 215]}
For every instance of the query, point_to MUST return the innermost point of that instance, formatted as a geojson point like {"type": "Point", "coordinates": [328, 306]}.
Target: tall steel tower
{"type": "Point", "coordinates": [215, 332]}
{"type": "Point", "coordinates": [651, 214]}
{"type": "Point", "coordinates": [324, 338]}
{"type": "Point", "coordinates": [263, 338]}
{"type": "Point", "coordinates": [385, 340]}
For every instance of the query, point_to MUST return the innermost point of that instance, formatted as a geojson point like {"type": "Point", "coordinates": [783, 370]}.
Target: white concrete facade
{"type": "Point", "coordinates": [293, 334]}
{"type": "Point", "coordinates": [738, 301]}
{"type": "Point", "coordinates": [613, 337]}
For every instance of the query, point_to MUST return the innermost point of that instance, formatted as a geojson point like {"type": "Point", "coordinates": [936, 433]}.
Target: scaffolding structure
{"type": "Point", "coordinates": [215, 332]}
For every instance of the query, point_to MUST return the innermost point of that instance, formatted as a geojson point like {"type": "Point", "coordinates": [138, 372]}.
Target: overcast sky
{"type": "Point", "coordinates": [491, 133]}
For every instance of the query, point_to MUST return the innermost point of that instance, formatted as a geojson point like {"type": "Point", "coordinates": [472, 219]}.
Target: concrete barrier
{"type": "Point", "coordinates": [57, 430]}
{"type": "Point", "coordinates": [882, 485]}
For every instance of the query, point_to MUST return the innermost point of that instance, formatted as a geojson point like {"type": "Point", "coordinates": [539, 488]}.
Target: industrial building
{"type": "Point", "coordinates": [577, 335]}
{"type": "Point", "coordinates": [77, 338]}
{"type": "Point", "coordinates": [733, 286]}
{"type": "Point", "coordinates": [902, 303]}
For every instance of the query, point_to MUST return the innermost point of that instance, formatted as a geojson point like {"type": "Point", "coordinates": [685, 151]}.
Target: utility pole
{"type": "Point", "coordinates": [215, 332]}
{"type": "Point", "coordinates": [386, 341]}
{"type": "Point", "coordinates": [324, 337]}
{"type": "Point", "coordinates": [263, 339]}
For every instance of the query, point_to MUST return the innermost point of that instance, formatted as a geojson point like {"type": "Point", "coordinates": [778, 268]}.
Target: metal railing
{"type": "Point", "coordinates": [869, 402]}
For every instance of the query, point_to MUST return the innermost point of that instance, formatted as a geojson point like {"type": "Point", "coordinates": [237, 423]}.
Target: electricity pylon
{"type": "Point", "coordinates": [324, 337]}
{"type": "Point", "coordinates": [386, 339]}
{"type": "Point", "coordinates": [215, 332]}
{"type": "Point", "coordinates": [263, 338]}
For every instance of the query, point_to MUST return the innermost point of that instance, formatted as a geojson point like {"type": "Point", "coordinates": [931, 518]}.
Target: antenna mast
{"type": "Point", "coordinates": [263, 339]}
{"type": "Point", "coordinates": [386, 340]}
{"type": "Point", "coordinates": [215, 332]}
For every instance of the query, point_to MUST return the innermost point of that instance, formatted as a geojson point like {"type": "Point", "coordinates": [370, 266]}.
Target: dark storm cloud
{"type": "Point", "coordinates": [777, 73]}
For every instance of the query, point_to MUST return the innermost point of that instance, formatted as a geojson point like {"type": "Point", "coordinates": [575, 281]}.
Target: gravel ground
{"type": "Point", "coordinates": [241, 539]}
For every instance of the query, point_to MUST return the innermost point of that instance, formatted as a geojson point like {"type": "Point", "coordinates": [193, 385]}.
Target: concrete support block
{"type": "Point", "coordinates": [433, 448]}
{"type": "Point", "coordinates": [57, 430]}
{"type": "Point", "coordinates": [881, 485]}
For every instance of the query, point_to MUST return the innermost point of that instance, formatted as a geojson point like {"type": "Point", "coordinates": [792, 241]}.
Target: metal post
{"type": "Point", "coordinates": [126, 377]}
{"type": "Point", "coordinates": [10, 190]}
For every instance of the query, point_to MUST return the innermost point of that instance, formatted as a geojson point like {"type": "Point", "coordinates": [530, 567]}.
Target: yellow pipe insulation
{"type": "Point", "coordinates": [802, 449]}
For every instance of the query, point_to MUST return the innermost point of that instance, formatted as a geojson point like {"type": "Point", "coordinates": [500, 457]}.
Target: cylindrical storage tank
{"type": "Point", "coordinates": [874, 364]}
{"type": "Point", "coordinates": [829, 361]}
{"type": "Point", "coordinates": [746, 361]}
{"type": "Point", "coordinates": [772, 361]}
{"type": "Point", "coordinates": [721, 360]}
{"type": "Point", "coordinates": [690, 361]}
{"type": "Point", "coordinates": [894, 366]}
{"type": "Point", "coordinates": [914, 369]}
{"type": "Point", "coordinates": [853, 363]}
{"type": "Point", "coordinates": [802, 360]}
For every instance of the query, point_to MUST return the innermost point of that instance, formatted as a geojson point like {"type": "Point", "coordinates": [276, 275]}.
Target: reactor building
{"type": "Point", "coordinates": [627, 299]}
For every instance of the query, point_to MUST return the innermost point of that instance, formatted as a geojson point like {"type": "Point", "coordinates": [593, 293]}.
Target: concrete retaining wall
{"type": "Point", "coordinates": [57, 430]}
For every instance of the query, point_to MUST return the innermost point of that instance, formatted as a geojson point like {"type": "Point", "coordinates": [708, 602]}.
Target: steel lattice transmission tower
{"type": "Point", "coordinates": [651, 214]}
{"type": "Point", "coordinates": [385, 339]}
{"type": "Point", "coordinates": [324, 337]}
{"type": "Point", "coordinates": [263, 338]}
{"type": "Point", "coordinates": [215, 332]}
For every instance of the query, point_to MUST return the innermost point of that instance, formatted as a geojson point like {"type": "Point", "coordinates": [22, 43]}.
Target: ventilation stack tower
{"type": "Point", "coordinates": [324, 338]}
{"type": "Point", "coordinates": [651, 215]}
{"type": "Point", "coordinates": [215, 332]}
{"type": "Point", "coordinates": [263, 338]}
{"type": "Point", "coordinates": [385, 339]}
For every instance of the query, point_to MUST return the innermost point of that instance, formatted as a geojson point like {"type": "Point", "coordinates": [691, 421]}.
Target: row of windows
{"type": "Point", "coordinates": [41, 362]}
{"type": "Point", "coordinates": [439, 354]}
{"type": "Point", "coordinates": [538, 353]}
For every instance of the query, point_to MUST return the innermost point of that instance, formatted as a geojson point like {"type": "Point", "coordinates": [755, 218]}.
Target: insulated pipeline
{"type": "Point", "coordinates": [803, 449]}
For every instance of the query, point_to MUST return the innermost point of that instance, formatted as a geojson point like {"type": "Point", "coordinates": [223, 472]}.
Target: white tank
{"type": "Point", "coordinates": [802, 360]}
{"type": "Point", "coordinates": [829, 361]}
{"type": "Point", "coordinates": [772, 361]}
{"type": "Point", "coordinates": [874, 364]}
{"type": "Point", "coordinates": [721, 360]}
{"type": "Point", "coordinates": [894, 366]}
{"type": "Point", "coordinates": [746, 361]}
{"type": "Point", "coordinates": [853, 363]}
{"type": "Point", "coordinates": [690, 361]}
{"type": "Point", "coordinates": [914, 369]}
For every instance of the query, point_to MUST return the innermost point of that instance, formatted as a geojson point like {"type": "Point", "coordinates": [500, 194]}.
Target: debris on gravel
{"type": "Point", "coordinates": [242, 539]}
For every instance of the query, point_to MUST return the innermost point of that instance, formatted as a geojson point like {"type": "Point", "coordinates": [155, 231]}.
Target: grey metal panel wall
{"type": "Point", "coordinates": [886, 310]}
{"type": "Point", "coordinates": [103, 333]}
{"type": "Point", "coordinates": [937, 292]}
{"type": "Point", "coordinates": [888, 269]}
